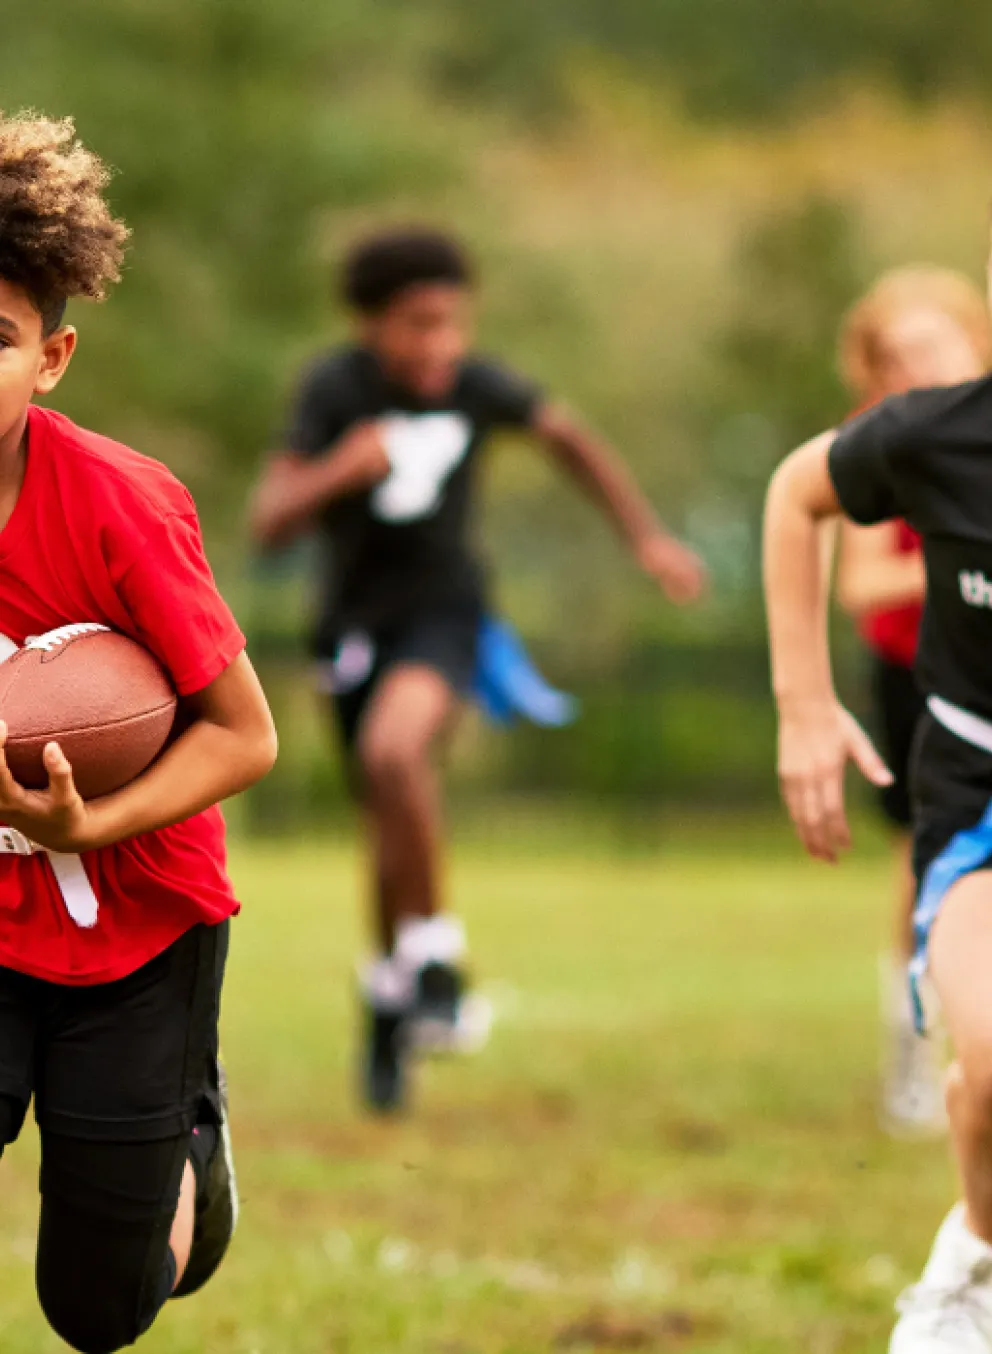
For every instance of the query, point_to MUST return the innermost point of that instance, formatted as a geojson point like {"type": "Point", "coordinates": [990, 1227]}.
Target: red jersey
{"type": "Point", "coordinates": [100, 533]}
{"type": "Point", "coordinates": [894, 632]}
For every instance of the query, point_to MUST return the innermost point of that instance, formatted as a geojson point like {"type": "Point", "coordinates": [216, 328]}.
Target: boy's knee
{"type": "Point", "coordinates": [94, 1321]}
{"type": "Point", "coordinates": [970, 1079]}
{"type": "Point", "coordinates": [105, 1268]}
{"type": "Point", "coordinates": [388, 763]}
{"type": "Point", "coordinates": [86, 1325]}
{"type": "Point", "coordinates": [98, 1297]}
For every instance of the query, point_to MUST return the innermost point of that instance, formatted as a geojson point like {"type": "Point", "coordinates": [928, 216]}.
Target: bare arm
{"type": "Point", "coordinates": [228, 744]}
{"type": "Point", "coordinates": [816, 735]}
{"type": "Point", "coordinates": [292, 489]}
{"type": "Point", "coordinates": [604, 477]}
{"type": "Point", "coordinates": [873, 573]}
{"type": "Point", "coordinates": [800, 501]}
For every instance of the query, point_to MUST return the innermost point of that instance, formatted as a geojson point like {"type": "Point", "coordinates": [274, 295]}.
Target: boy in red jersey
{"type": "Point", "coordinates": [114, 912]}
{"type": "Point", "coordinates": [917, 326]}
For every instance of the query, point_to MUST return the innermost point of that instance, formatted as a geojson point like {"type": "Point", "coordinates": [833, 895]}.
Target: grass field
{"type": "Point", "coordinates": [669, 1145]}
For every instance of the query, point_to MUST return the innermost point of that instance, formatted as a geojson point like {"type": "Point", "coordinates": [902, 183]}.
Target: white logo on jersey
{"type": "Point", "coordinates": [423, 450]}
{"type": "Point", "coordinates": [976, 589]}
{"type": "Point", "coordinates": [7, 648]}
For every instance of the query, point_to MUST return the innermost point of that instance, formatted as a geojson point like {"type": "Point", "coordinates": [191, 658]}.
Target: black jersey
{"type": "Point", "coordinates": [404, 547]}
{"type": "Point", "coordinates": [927, 457]}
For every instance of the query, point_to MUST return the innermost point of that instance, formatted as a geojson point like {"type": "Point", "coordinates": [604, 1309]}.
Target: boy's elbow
{"type": "Point", "coordinates": [267, 752]}
{"type": "Point", "coordinates": [260, 752]}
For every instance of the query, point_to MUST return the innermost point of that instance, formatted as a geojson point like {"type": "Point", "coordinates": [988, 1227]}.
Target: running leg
{"type": "Point", "coordinates": [409, 710]}
{"type": "Point", "coordinates": [115, 1230]}
{"type": "Point", "coordinates": [950, 1310]}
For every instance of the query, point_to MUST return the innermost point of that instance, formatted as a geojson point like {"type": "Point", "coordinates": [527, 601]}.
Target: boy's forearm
{"type": "Point", "coordinates": [796, 597]}
{"type": "Point", "coordinates": [206, 764]}
{"type": "Point", "coordinates": [602, 474]}
{"type": "Point", "coordinates": [293, 490]}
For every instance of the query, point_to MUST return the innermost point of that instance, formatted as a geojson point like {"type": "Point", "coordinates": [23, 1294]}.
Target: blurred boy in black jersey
{"type": "Point", "coordinates": [382, 456]}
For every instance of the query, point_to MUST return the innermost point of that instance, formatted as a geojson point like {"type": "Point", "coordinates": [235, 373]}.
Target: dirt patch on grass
{"type": "Point", "coordinates": [671, 1329]}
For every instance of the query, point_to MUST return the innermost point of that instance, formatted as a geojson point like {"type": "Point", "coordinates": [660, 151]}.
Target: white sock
{"type": "Point", "coordinates": [897, 1005]}
{"type": "Point", "coordinates": [429, 940]}
{"type": "Point", "coordinates": [387, 984]}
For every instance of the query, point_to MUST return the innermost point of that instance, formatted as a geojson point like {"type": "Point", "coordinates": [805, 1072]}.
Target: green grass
{"type": "Point", "coordinates": [669, 1145]}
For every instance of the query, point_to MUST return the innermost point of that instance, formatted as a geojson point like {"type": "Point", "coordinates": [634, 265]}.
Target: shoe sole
{"type": "Point", "coordinates": [467, 1034]}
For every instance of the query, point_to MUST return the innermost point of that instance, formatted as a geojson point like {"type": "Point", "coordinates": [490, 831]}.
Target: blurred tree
{"type": "Point", "coordinates": [773, 380]}
{"type": "Point", "coordinates": [800, 269]}
{"type": "Point", "coordinates": [230, 154]}
{"type": "Point", "coordinates": [726, 58]}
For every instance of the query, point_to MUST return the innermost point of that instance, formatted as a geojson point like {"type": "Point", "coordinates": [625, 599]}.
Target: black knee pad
{"type": "Point", "coordinates": [92, 1319]}
{"type": "Point", "coordinates": [104, 1267]}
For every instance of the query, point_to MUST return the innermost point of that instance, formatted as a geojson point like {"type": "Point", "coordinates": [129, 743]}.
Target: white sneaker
{"type": "Point", "coordinates": [466, 1032]}
{"type": "Point", "coordinates": [913, 1075]}
{"type": "Point", "coordinates": [950, 1310]}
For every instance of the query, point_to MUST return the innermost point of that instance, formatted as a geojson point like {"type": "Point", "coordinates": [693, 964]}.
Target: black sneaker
{"type": "Point", "coordinates": [216, 1189]}
{"type": "Point", "coordinates": [384, 1059]}
{"type": "Point", "coordinates": [446, 1016]}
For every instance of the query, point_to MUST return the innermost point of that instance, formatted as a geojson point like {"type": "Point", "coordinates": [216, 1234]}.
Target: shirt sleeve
{"type": "Point", "coordinates": [175, 607]}
{"type": "Point", "coordinates": [505, 399]}
{"type": "Point", "coordinates": [861, 465]}
{"type": "Point", "coordinates": [321, 411]}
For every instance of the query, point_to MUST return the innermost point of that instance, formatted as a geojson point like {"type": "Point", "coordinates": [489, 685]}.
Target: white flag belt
{"type": "Point", "coordinates": [971, 727]}
{"type": "Point", "coordinates": [70, 875]}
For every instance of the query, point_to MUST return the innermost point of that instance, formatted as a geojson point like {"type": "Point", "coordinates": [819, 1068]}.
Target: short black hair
{"type": "Point", "coordinates": [378, 267]}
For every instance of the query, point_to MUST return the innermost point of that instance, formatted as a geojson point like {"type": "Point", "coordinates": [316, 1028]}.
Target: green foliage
{"type": "Point", "coordinates": [774, 368]}
{"type": "Point", "coordinates": [229, 155]}
{"type": "Point", "coordinates": [801, 267]}
{"type": "Point", "coordinates": [725, 58]}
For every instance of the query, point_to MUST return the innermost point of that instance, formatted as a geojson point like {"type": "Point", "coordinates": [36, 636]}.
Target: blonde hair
{"type": "Point", "coordinates": [58, 236]}
{"type": "Point", "coordinates": [902, 289]}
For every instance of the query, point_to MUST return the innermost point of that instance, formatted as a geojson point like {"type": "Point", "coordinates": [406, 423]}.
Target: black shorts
{"type": "Point", "coordinates": [952, 791]}
{"type": "Point", "coordinates": [446, 641]}
{"type": "Point", "coordinates": [952, 835]}
{"type": "Point", "coordinates": [123, 1062]}
{"type": "Point", "coordinates": [898, 707]}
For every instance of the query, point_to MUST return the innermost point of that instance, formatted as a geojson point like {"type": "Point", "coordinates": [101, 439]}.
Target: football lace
{"type": "Point", "coordinates": [53, 638]}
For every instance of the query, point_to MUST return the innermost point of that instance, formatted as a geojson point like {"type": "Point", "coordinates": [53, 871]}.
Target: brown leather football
{"type": "Point", "coordinates": [103, 698]}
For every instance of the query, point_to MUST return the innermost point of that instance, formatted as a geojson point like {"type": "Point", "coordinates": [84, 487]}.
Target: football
{"type": "Point", "coordinates": [103, 698]}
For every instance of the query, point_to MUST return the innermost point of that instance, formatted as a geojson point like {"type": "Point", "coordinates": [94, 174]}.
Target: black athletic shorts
{"type": "Point", "coordinates": [125, 1061]}
{"type": "Point", "coordinates": [952, 793]}
{"type": "Point", "coordinates": [446, 641]}
{"type": "Point", "coordinates": [898, 707]}
{"type": "Point", "coordinates": [951, 783]}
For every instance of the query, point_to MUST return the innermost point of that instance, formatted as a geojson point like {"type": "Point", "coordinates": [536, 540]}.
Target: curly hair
{"type": "Point", "coordinates": [58, 237]}
{"type": "Point", "coordinates": [378, 267]}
